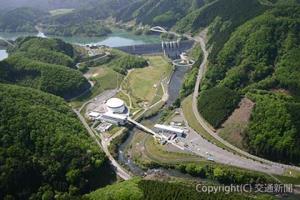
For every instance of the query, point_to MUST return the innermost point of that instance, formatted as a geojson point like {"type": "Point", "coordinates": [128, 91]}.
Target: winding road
{"type": "Point", "coordinates": [120, 171]}
{"type": "Point", "coordinates": [274, 167]}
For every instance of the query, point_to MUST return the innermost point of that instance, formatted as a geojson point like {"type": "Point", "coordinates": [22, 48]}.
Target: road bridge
{"type": "Point", "coordinates": [7, 42]}
{"type": "Point", "coordinates": [160, 29]}
{"type": "Point", "coordinates": [144, 128]}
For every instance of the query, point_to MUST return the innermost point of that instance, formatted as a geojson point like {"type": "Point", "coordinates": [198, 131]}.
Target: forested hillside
{"type": "Point", "coordinates": [20, 20]}
{"type": "Point", "coordinates": [44, 64]}
{"type": "Point", "coordinates": [96, 10]}
{"type": "Point", "coordinates": [44, 149]}
{"type": "Point", "coordinates": [261, 60]}
{"type": "Point", "coordinates": [158, 12]}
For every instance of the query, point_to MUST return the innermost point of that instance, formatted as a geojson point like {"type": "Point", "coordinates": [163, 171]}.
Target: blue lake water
{"type": "Point", "coordinates": [116, 39]}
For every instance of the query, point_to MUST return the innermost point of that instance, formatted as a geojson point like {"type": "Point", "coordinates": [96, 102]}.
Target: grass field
{"type": "Point", "coordinates": [157, 152]}
{"type": "Point", "coordinates": [61, 11]}
{"type": "Point", "coordinates": [107, 78]}
{"type": "Point", "coordinates": [104, 78]}
{"type": "Point", "coordinates": [141, 82]}
{"type": "Point", "coordinates": [193, 123]}
{"type": "Point", "coordinates": [146, 151]}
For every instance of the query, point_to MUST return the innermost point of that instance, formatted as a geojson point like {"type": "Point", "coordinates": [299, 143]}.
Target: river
{"type": "Point", "coordinates": [173, 89]}
{"type": "Point", "coordinates": [3, 54]}
{"type": "Point", "coordinates": [117, 38]}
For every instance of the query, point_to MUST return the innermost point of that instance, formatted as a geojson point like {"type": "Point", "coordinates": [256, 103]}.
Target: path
{"type": "Point", "coordinates": [104, 146]}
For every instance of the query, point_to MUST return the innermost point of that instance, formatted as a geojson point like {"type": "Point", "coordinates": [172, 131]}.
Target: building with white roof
{"type": "Point", "coordinates": [93, 115]}
{"type": "Point", "coordinates": [169, 129]}
{"type": "Point", "coordinates": [115, 105]}
{"type": "Point", "coordinates": [113, 118]}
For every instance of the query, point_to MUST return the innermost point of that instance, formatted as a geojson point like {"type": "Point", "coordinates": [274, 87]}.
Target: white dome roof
{"type": "Point", "coordinates": [115, 103]}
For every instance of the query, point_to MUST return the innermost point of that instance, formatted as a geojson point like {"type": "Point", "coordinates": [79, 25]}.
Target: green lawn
{"type": "Point", "coordinates": [61, 11]}
{"type": "Point", "coordinates": [108, 78]}
{"type": "Point", "coordinates": [141, 82]}
{"type": "Point", "coordinates": [193, 122]}
{"type": "Point", "coordinates": [104, 78]}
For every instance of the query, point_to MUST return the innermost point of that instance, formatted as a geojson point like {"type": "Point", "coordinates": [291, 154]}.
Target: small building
{"type": "Point", "coordinates": [115, 105]}
{"type": "Point", "coordinates": [103, 127]}
{"type": "Point", "coordinates": [116, 119]}
{"type": "Point", "coordinates": [93, 115]}
{"type": "Point", "coordinates": [169, 129]}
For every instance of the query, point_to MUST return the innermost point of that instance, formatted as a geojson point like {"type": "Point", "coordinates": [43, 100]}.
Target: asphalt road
{"type": "Point", "coordinates": [267, 166]}
{"type": "Point", "coordinates": [104, 146]}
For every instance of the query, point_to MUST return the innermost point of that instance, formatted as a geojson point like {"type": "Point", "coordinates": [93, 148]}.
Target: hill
{"type": "Point", "coordinates": [20, 20]}
{"type": "Point", "coordinates": [260, 61]}
{"type": "Point", "coordinates": [44, 64]}
{"type": "Point", "coordinates": [45, 4]}
{"type": "Point", "coordinates": [44, 149]}
{"type": "Point", "coordinates": [158, 12]}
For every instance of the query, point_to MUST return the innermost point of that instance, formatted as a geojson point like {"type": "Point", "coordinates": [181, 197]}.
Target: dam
{"type": "Point", "coordinates": [171, 49]}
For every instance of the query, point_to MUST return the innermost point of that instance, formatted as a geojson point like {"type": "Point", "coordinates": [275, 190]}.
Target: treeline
{"type": "Point", "coordinates": [224, 175]}
{"type": "Point", "coordinates": [190, 78]}
{"type": "Point", "coordinates": [44, 64]}
{"type": "Point", "coordinates": [45, 151]}
{"type": "Point", "coordinates": [126, 62]}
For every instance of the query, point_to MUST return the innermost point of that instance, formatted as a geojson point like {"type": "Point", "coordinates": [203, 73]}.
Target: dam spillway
{"type": "Point", "coordinates": [171, 49]}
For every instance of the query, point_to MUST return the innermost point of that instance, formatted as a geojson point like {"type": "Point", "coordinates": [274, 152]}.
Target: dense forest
{"type": "Point", "coordinates": [44, 149]}
{"type": "Point", "coordinates": [44, 64]}
{"type": "Point", "coordinates": [263, 54]}
{"type": "Point", "coordinates": [20, 20]}
{"type": "Point", "coordinates": [158, 12]}
{"type": "Point", "coordinates": [87, 28]}
{"type": "Point", "coordinates": [126, 62]}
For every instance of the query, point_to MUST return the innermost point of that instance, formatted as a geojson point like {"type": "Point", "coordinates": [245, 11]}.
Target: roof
{"type": "Point", "coordinates": [94, 114]}
{"type": "Point", "coordinates": [115, 103]}
{"type": "Point", "coordinates": [114, 116]}
{"type": "Point", "coordinates": [168, 128]}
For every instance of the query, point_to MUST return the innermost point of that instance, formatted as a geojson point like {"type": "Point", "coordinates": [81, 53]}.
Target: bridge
{"type": "Point", "coordinates": [7, 42]}
{"type": "Point", "coordinates": [160, 29]}
{"type": "Point", "coordinates": [144, 128]}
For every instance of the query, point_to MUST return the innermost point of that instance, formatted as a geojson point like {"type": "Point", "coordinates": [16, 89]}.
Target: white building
{"type": "Point", "coordinates": [93, 115]}
{"type": "Point", "coordinates": [115, 105]}
{"type": "Point", "coordinates": [169, 129]}
{"type": "Point", "coordinates": [113, 118]}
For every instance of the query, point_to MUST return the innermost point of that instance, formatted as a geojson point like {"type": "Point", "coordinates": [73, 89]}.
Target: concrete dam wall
{"type": "Point", "coordinates": [170, 49]}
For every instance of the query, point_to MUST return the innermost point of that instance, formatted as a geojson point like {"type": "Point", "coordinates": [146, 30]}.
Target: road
{"type": "Point", "coordinates": [211, 131]}
{"type": "Point", "coordinates": [120, 171]}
